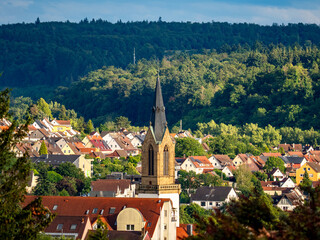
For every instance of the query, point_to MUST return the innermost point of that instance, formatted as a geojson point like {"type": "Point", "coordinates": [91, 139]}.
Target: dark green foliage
{"type": "Point", "coordinates": [306, 182]}
{"type": "Point", "coordinates": [219, 86]}
{"type": "Point", "coordinates": [261, 176]}
{"type": "Point", "coordinates": [43, 149]}
{"type": "Point", "coordinates": [274, 162]}
{"type": "Point", "coordinates": [89, 127]}
{"type": "Point", "coordinates": [56, 53]}
{"type": "Point", "coordinates": [68, 169]}
{"type": "Point", "coordinates": [65, 180]}
{"type": "Point", "coordinates": [190, 181]}
{"type": "Point", "coordinates": [189, 212]}
{"type": "Point", "coordinates": [122, 122]}
{"type": "Point", "coordinates": [17, 222]}
{"type": "Point", "coordinates": [188, 147]}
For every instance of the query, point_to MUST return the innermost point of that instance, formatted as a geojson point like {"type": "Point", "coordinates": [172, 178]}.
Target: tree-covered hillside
{"type": "Point", "coordinates": [268, 85]}
{"type": "Point", "coordinates": [57, 53]}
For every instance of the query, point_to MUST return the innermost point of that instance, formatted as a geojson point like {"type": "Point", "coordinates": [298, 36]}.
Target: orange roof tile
{"type": "Point", "coordinates": [83, 206]}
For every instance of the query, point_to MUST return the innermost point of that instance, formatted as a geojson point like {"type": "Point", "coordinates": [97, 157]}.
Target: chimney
{"type": "Point", "coordinates": [190, 229]}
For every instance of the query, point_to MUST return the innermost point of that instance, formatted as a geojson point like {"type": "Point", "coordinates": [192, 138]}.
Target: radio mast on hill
{"type": "Point", "coordinates": [134, 56]}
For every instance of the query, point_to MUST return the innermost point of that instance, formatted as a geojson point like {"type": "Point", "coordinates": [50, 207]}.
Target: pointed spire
{"type": "Point", "coordinates": [158, 117]}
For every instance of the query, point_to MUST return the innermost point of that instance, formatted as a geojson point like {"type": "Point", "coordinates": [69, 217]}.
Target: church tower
{"type": "Point", "coordinates": [158, 158]}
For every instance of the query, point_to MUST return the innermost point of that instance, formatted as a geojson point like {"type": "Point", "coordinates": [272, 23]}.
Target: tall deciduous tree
{"type": "Point", "coordinates": [188, 147]}
{"type": "Point", "coordinates": [17, 222]}
{"type": "Point", "coordinates": [274, 162]}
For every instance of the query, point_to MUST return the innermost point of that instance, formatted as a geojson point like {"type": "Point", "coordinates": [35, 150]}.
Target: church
{"type": "Point", "coordinates": [152, 214]}
{"type": "Point", "coordinates": [158, 158]}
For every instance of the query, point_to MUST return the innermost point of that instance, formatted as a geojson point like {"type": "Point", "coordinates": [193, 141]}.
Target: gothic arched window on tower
{"type": "Point", "coordinates": [151, 160]}
{"type": "Point", "coordinates": [166, 161]}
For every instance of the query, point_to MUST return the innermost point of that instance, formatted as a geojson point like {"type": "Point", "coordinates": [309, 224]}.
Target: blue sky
{"type": "Point", "coordinates": [265, 12]}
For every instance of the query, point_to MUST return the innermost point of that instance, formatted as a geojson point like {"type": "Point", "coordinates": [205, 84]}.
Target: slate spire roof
{"type": "Point", "coordinates": [158, 116]}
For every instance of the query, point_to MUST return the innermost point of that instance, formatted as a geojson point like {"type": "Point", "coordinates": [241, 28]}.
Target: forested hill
{"type": "Point", "coordinates": [57, 53]}
{"type": "Point", "coordinates": [269, 85]}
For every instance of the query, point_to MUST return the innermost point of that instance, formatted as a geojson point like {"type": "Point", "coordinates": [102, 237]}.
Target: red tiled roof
{"type": "Point", "coordinates": [78, 206]}
{"type": "Point", "coordinates": [64, 122]}
{"type": "Point", "coordinates": [182, 231]}
{"type": "Point", "coordinates": [317, 152]}
{"type": "Point", "coordinates": [67, 221]}
{"type": "Point", "coordinates": [32, 128]}
{"type": "Point", "coordinates": [223, 159]}
{"type": "Point", "coordinates": [299, 154]}
{"type": "Point", "coordinates": [110, 185]}
{"type": "Point", "coordinates": [271, 154]}
{"type": "Point", "coordinates": [87, 150]}
{"type": "Point", "coordinates": [201, 162]}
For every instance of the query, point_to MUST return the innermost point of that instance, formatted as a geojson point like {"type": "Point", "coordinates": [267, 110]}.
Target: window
{"type": "Point", "coordinates": [59, 227]}
{"type": "Point", "coordinates": [304, 169]}
{"type": "Point", "coordinates": [301, 175]}
{"type": "Point", "coordinates": [166, 161]}
{"type": "Point", "coordinates": [130, 227]}
{"type": "Point", "coordinates": [165, 226]}
{"type": "Point", "coordinates": [149, 224]}
{"type": "Point", "coordinates": [165, 213]}
{"type": "Point", "coordinates": [210, 203]}
{"type": "Point", "coordinates": [69, 151]}
{"type": "Point", "coordinates": [95, 210]}
{"type": "Point", "coordinates": [112, 210]}
{"type": "Point", "coordinates": [308, 169]}
{"type": "Point", "coordinates": [73, 227]}
{"type": "Point", "coordinates": [235, 163]}
{"type": "Point", "coordinates": [203, 204]}
{"type": "Point", "coordinates": [87, 212]}
{"type": "Point", "coordinates": [310, 175]}
{"type": "Point", "coordinates": [101, 212]}
{"type": "Point", "coordinates": [64, 151]}
{"type": "Point", "coordinates": [151, 160]}
{"type": "Point", "coordinates": [55, 207]}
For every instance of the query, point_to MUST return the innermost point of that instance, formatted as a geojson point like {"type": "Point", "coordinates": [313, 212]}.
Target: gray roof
{"type": "Point", "coordinates": [211, 194]}
{"type": "Point", "coordinates": [292, 159]}
{"type": "Point", "coordinates": [55, 159]}
{"type": "Point", "coordinates": [158, 116]}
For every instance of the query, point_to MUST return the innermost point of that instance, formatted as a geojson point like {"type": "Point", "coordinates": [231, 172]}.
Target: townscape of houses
{"type": "Point", "coordinates": [147, 206]}
{"type": "Point", "coordinates": [64, 145]}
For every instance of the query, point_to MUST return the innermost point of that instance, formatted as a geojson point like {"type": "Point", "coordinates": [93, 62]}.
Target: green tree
{"type": "Point", "coordinates": [44, 109]}
{"type": "Point", "coordinates": [122, 122]}
{"type": "Point", "coordinates": [44, 186]}
{"type": "Point", "coordinates": [189, 212]}
{"type": "Point", "coordinates": [16, 221]}
{"type": "Point", "coordinates": [274, 162]}
{"type": "Point", "coordinates": [188, 147]}
{"type": "Point", "coordinates": [243, 177]}
{"type": "Point", "coordinates": [89, 127]}
{"type": "Point", "coordinates": [43, 149]}
{"type": "Point", "coordinates": [306, 182]}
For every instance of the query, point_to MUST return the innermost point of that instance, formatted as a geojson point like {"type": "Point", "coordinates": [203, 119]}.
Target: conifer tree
{"type": "Point", "coordinates": [16, 221]}
{"type": "Point", "coordinates": [43, 149]}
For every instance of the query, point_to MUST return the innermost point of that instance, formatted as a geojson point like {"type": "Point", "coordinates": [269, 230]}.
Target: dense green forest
{"type": "Point", "coordinates": [57, 53]}
{"type": "Point", "coordinates": [268, 85]}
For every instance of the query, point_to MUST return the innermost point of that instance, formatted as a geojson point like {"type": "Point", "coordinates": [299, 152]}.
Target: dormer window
{"type": "Point", "coordinates": [55, 207]}
{"type": "Point", "coordinates": [112, 210]}
{"type": "Point", "coordinates": [95, 210]}
{"type": "Point", "coordinates": [60, 226]}
{"type": "Point", "coordinates": [87, 212]}
{"type": "Point", "coordinates": [73, 227]}
{"type": "Point", "coordinates": [101, 212]}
